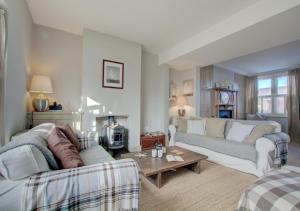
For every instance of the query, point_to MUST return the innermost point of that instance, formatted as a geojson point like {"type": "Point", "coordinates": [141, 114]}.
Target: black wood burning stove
{"type": "Point", "coordinates": [113, 135]}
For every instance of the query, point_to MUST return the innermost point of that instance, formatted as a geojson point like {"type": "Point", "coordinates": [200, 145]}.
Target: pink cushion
{"type": "Point", "coordinates": [64, 150]}
{"type": "Point", "coordinates": [69, 133]}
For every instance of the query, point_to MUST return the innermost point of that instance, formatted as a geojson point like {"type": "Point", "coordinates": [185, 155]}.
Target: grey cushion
{"type": "Point", "coordinates": [232, 148]}
{"type": "Point", "coordinates": [94, 155]}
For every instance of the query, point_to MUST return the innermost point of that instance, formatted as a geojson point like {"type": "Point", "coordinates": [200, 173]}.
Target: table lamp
{"type": "Point", "coordinates": [42, 85]}
{"type": "Point", "coordinates": [181, 102]}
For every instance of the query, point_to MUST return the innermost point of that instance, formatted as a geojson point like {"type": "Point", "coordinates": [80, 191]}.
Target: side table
{"type": "Point", "coordinates": [149, 141]}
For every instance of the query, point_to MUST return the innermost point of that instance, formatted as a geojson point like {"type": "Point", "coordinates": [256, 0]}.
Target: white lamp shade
{"type": "Point", "coordinates": [41, 84]}
{"type": "Point", "coordinates": [182, 101]}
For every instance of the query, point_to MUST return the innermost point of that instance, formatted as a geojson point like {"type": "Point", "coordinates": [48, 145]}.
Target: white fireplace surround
{"type": "Point", "coordinates": [98, 101]}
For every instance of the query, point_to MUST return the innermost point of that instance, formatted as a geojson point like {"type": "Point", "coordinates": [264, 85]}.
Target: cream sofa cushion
{"type": "Point", "coordinates": [238, 131]}
{"type": "Point", "coordinates": [22, 162]}
{"type": "Point", "coordinates": [215, 127]}
{"type": "Point", "coordinates": [182, 125]}
{"type": "Point", "coordinates": [196, 126]}
{"type": "Point", "coordinates": [258, 132]}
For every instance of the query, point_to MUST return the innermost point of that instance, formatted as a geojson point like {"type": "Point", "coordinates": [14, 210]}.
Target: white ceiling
{"type": "Point", "coordinates": [188, 33]}
{"type": "Point", "coordinates": [277, 58]}
{"type": "Point", "coordinates": [278, 28]}
{"type": "Point", "coordinates": [156, 24]}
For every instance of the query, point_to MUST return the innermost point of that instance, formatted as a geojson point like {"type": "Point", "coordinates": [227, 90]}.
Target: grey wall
{"type": "Point", "coordinates": [18, 66]}
{"type": "Point", "coordinates": [127, 101]}
{"type": "Point", "coordinates": [154, 94]}
{"type": "Point", "coordinates": [221, 74]}
{"type": "Point", "coordinates": [282, 120]}
{"type": "Point", "coordinates": [58, 54]}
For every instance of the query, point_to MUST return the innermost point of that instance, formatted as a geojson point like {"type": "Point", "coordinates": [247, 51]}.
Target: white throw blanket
{"type": "Point", "coordinates": [107, 186]}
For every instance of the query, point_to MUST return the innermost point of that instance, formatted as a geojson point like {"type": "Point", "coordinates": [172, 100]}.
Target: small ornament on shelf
{"type": "Point", "coordinates": [55, 107]}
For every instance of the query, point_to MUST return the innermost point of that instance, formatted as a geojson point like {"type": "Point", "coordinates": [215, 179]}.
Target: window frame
{"type": "Point", "coordinates": [274, 94]}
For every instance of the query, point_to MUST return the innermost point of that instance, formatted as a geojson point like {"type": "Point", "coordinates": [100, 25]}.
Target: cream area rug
{"type": "Point", "coordinates": [215, 188]}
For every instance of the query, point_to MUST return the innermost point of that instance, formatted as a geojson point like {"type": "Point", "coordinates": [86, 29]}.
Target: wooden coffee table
{"type": "Point", "coordinates": [150, 166]}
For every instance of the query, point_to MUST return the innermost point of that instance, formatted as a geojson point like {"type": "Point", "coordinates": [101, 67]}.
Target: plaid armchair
{"type": "Point", "coordinates": [112, 185]}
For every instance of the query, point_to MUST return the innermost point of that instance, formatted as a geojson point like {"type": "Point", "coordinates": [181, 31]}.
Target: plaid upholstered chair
{"type": "Point", "coordinates": [30, 180]}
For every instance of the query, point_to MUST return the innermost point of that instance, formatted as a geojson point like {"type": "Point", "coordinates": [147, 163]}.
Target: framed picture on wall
{"type": "Point", "coordinates": [188, 87]}
{"type": "Point", "coordinates": [113, 74]}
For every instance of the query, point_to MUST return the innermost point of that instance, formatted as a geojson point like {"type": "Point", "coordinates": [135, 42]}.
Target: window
{"type": "Point", "coordinates": [272, 94]}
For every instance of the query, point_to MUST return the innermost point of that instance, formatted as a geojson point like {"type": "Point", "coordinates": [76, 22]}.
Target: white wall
{"type": "Point", "coordinates": [18, 65]}
{"type": "Point", "coordinates": [58, 54]}
{"type": "Point", "coordinates": [127, 101]}
{"type": "Point", "coordinates": [178, 77]}
{"type": "Point", "coordinates": [155, 104]}
{"type": "Point", "coordinates": [2, 90]}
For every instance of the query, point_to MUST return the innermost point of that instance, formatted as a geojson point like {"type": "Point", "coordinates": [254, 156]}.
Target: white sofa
{"type": "Point", "coordinates": [257, 163]}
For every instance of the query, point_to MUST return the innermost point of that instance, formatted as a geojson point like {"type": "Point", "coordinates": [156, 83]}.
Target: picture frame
{"type": "Point", "coordinates": [112, 74]}
{"type": "Point", "coordinates": [188, 87]}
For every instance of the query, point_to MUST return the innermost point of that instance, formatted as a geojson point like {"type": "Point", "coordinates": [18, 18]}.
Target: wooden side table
{"type": "Point", "coordinates": [148, 142]}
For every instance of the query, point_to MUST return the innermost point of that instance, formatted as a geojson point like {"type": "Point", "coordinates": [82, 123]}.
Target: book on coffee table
{"type": "Point", "coordinates": [174, 158]}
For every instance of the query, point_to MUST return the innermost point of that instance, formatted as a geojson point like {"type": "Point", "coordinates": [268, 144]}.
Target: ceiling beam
{"type": "Point", "coordinates": [244, 19]}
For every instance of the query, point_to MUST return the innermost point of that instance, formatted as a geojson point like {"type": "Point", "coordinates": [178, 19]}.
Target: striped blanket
{"type": "Point", "coordinates": [107, 186]}
{"type": "Point", "coordinates": [278, 190]}
{"type": "Point", "coordinates": [281, 141]}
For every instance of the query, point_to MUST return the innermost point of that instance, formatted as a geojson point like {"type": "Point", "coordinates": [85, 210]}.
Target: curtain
{"type": "Point", "coordinates": [251, 95]}
{"type": "Point", "coordinates": [293, 105]}
{"type": "Point", "coordinates": [3, 37]}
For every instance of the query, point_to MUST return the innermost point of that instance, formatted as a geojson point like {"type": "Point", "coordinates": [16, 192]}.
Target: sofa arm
{"type": "Point", "coordinates": [87, 139]}
{"type": "Point", "coordinates": [106, 186]}
{"type": "Point", "coordinates": [263, 147]}
{"type": "Point", "coordinates": [172, 130]}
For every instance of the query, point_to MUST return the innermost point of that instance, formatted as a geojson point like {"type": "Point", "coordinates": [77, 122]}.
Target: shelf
{"type": "Point", "coordinates": [223, 89]}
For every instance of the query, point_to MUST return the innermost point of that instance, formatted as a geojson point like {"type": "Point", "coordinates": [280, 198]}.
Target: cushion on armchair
{"type": "Point", "coordinates": [69, 133]}
{"type": "Point", "coordinates": [238, 132]}
{"type": "Point", "coordinates": [196, 126]}
{"type": "Point", "coordinates": [258, 132]}
{"type": "Point", "coordinates": [215, 127]}
{"type": "Point", "coordinates": [21, 162]}
{"type": "Point", "coordinates": [64, 150]}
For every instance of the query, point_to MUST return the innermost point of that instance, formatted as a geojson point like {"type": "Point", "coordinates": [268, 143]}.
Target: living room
{"type": "Point", "coordinates": [149, 105]}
